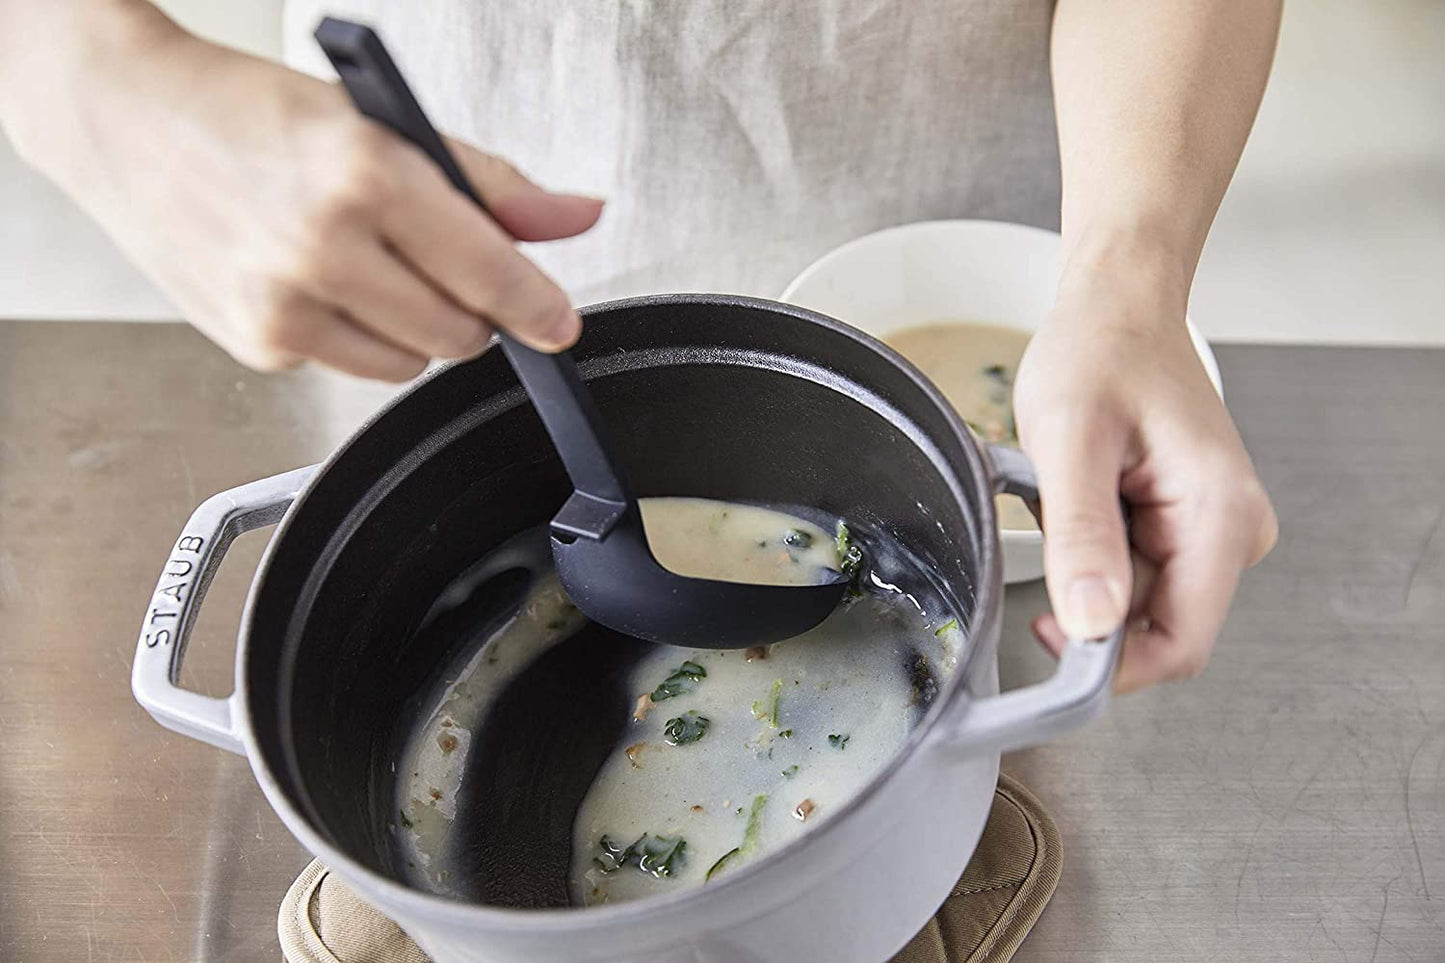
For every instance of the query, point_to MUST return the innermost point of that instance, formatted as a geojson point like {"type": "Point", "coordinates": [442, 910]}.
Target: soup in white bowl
{"type": "Point", "coordinates": [974, 365]}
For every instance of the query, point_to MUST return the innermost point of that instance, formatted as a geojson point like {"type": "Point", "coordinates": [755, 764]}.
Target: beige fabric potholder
{"type": "Point", "coordinates": [993, 906]}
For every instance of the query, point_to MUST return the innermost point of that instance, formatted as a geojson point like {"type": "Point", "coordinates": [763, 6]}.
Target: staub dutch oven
{"type": "Point", "coordinates": [711, 396]}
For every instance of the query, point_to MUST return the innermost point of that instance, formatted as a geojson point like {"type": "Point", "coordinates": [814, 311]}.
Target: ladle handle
{"type": "Point", "coordinates": [551, 380]}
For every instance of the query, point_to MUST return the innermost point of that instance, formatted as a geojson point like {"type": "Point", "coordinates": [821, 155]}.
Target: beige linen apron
{"type": "Point", "coordinates": [735, 140]}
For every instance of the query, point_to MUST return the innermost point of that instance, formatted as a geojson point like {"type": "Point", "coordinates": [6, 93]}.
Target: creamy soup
{"type": "Point", "coordinates": [754, 749]}
{"type": "Point", "coordinates": [433, 760]}
{"type": "Point", "coordinates": [726, 754]}
{"type": "Point", "coordinates": [701, 538]}
{"type": "Point", "coordinates": [974, 365]}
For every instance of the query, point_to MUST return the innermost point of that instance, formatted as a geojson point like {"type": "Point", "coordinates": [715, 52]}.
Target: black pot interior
{"type": "Point", "coordinates": [705, 395]}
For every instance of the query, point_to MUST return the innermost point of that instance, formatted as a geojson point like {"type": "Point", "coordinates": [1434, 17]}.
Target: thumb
{"type": "Point", "coordinates": [1086, 547]}
{"type": "Point", "coordinates": [528, 212]}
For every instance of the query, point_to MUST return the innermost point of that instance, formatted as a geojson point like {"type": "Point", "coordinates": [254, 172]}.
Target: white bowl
{"type": "Point", "coordinates": [935, 270]}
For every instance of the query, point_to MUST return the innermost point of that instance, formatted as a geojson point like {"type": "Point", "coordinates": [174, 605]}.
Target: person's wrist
{"type": "Point", "coordinates": [1135, 272]}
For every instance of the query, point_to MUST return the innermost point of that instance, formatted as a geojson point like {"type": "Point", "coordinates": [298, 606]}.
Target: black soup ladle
{"type": "Point", "coordinates": [598, 542]}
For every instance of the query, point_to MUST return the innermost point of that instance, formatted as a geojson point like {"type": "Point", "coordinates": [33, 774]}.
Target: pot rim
{"type": "Point", "coordinates": [444, 909]}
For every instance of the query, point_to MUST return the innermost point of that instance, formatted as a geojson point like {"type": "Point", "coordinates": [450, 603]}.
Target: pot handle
{"type": "Point", "coordinates": [187, 574]}
{"type": "Point", "coordinates": [1077, 691]}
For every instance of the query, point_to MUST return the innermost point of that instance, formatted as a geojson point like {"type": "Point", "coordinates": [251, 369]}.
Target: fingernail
{"type": "Point", "coordinates": [591, 198]}
{"type": "Point", "coordinates": [1094, 606]}
{"type": "Point", "coordinates": [563, 333]}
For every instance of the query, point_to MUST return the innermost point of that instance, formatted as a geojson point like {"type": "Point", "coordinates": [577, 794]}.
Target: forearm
{"type": "Point", "coordinates": [1155, 100]}
{"type": "Point", "coordinates": [69, 66]}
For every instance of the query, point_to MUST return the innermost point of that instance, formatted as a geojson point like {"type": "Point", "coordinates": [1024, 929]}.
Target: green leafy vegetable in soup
{"type": "Point", "coordinates": [838, 741]}
{"type": "Point", "coordinates": [1000, 395]}
{"type": "Point", "coordinates": [797, 538]}
{"type": "Point", "coordinates": [923, 684]}
{"type": "Point", "coordinates": [850, 556]}
{"type": "Point", "coordinates": [717, 867]}
{"type": "Point", "coordinates": [688, 727]}
{"type": "Point", "coordinates": [750, 836]}
{"type": "Point", "coordinates": [755, 823]}
{"type": "Point", "coordinates": [767, 709]}
{"type": "Point", "coordinates": [683, 680]}
{"type": "Point", "coordinates": [657, 856]}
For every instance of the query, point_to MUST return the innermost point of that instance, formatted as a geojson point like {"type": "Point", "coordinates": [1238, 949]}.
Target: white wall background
{"type": "Point", "coordinates": [1334, 230]}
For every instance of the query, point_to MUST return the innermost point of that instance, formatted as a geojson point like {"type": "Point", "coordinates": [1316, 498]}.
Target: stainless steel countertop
{"type": "Point", "coordinates": [1289, 805]}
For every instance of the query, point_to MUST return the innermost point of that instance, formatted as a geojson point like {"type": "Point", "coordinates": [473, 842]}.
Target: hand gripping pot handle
{"type": "Point", "coordinates": [1077, 691]}
{"type": "Point", "coordinates": [187, 574]}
